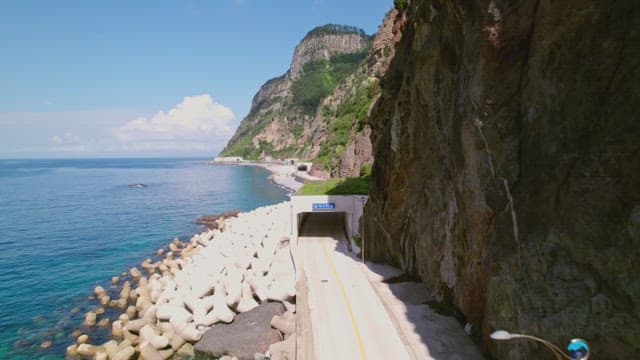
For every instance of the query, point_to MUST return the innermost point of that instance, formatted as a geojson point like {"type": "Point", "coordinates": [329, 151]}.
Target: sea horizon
{"type": "Point", "coordinates": [100, 157]}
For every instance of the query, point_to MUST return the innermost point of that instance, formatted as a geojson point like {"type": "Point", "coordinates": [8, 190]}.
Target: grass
{"type": "Point", "coordinates": [358, 240]}
{"type": "Point", "coordinates": [337, 186]}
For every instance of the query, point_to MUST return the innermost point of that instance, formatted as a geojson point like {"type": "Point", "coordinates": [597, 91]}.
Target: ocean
{"type": "Point", "coordinates": [69, 225]}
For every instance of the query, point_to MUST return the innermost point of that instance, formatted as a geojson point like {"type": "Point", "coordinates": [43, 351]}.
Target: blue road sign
{"type": "Point", "coordinates": [323, 206]}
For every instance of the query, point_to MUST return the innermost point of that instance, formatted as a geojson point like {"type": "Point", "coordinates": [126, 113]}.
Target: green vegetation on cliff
{"type": "Point", "coordinates": [242, 144]}
{"type": "Point", "coordinates": [319, 78]}
{"type": "Point", "coordinates": [400, 4]}
{"type": "Point", "coordinates": [350, 116]}
{"type": "Point", "coordinates": [318, 109]}
{"type": "Point", "coordinates": [334, 29]}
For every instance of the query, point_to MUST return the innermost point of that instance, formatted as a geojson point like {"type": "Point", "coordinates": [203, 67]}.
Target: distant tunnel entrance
{"type": "Point", "coordinates": [326, 215]}
{"type": "Point", "coordinates": [332, 224]}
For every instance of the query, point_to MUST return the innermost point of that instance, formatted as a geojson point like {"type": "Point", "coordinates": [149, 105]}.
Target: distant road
{"type": "Point", "coordinates": [348, 321]}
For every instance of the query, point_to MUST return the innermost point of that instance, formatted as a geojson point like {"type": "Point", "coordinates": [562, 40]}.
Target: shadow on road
{"type": "Point", "coordinates": [426, 332]}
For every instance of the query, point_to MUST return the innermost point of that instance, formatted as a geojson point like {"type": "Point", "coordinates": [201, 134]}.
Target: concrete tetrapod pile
{"type": "Point", "coordinates": [207, 280]}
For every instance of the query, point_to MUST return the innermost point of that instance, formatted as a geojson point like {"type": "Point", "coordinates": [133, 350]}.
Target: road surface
{"type": "Point", "coordinates": [348, 320]}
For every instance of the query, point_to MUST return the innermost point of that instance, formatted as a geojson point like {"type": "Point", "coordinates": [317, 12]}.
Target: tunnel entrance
{"type": "Point", "coordinates": [335, 212]}
{"type": "Point", "coordinates": [331, 224]}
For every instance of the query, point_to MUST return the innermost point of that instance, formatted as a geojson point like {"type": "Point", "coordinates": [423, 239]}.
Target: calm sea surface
{"type": "Point", "coordinates": [68, 225]}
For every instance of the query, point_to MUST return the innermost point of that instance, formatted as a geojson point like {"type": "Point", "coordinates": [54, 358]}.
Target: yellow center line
{"type": "Point", "coordinates": [346, 300]}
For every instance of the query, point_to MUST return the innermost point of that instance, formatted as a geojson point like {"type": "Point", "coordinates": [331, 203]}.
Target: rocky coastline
{"type": "Point", "coordinates": [193, 300]}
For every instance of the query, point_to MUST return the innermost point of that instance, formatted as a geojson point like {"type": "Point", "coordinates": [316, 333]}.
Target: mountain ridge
{"type": "Point", "coordinates": [296, 114]}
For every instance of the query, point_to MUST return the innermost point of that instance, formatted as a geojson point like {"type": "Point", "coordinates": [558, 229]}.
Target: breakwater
{"type": "Point", "coordinates": [173, 301]}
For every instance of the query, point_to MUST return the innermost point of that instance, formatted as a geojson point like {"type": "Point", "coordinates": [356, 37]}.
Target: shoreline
{"type": "Point", "coordinates": [166, 307]}
{"type": "Point", "coordinates": [282, 175]}
{"type": "Point", "coordinates": [286, 176]}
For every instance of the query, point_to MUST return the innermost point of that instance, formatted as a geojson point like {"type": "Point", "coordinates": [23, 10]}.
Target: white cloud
{"type": "Point", "coordinates": [67, 138]}
{"type": "Point", "coordinates": [195, 126]}
{"type": "Point", "coordinates": [60, 133]}
{"type": "Point", "coordinates": [197, 123]}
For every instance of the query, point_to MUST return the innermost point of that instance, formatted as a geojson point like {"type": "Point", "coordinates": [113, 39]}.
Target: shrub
{"type": "Point", "coordinates": [332, 29]}
{"type": "Point", "coordinates": [297, 131]}
{"type": "Point", "coordinates": [319, 78]}
{"type": "Point", "coordinates": [401, 5]}
{"type": "Point", "coordinates": [365, 170]}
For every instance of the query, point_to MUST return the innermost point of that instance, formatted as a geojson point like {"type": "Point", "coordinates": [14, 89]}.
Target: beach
{"type": "Point", "coordinates": [284, 175]}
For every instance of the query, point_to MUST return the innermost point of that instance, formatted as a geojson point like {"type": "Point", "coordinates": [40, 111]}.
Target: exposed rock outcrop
{"type": "Point", "coordinates": [276, 126]}
{"type": "Point", "coordinates": [506, 169]}
{"type": "Point", "coordinates": [330, 130]}
{"type": "Point", "coordinates": [383, 47]}
{"type": "Point", "coordinates": [325, 42]}
{"type": "Point", "coordinates": [358, 154]}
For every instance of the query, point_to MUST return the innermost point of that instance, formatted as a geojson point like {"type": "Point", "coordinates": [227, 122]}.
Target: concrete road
{"type": "Point", "coordinates": [348, 321]}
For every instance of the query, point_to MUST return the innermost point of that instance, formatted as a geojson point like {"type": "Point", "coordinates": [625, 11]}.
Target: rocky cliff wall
{"type": "Point", "coordinates": [358, 154]}
{"type": "Point", "coordinates": [507, 171]}
{"type": "Point", "coordinates": [276, 126]}
{"type": "Point", "coordinates": [333, 134]}
{"type": "Point", "coordinates": [322, 47]}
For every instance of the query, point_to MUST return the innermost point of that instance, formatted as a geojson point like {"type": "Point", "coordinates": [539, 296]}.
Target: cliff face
{"type": "Point", "coordinates": [278, 124]}
{"type": "Point", "coordinates": [317, 110]}
{"type": "Point", "coordinates": [323, 46]}
{"type": "Point", "coordinates": [506, 169]}
{"type": "Point", "coordinates": [358, 154]}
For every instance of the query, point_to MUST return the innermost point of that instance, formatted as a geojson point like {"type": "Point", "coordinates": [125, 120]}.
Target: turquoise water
{"type": "Point", "coordinates": [68, 225]}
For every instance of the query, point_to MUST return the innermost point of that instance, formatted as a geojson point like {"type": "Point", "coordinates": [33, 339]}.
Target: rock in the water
{"type": "Point", "coordinates": [210, 221]}
{"type": "Point", "coordinates": [72, 350]}
{"type": "Point", "coordinates": [249, 333]}
{"type": "Point", "coordinates": [86, 350]}
{"type": "Point", "coordinates": [83, 339]}
{"type": "Point", "coordinates": [99, 291]}
{"type": "Point", "coordinates": [90, 318]}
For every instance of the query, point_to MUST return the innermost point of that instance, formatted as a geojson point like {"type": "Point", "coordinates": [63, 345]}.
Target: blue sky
{"type": "Point", "coordinates": [82, 78]}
